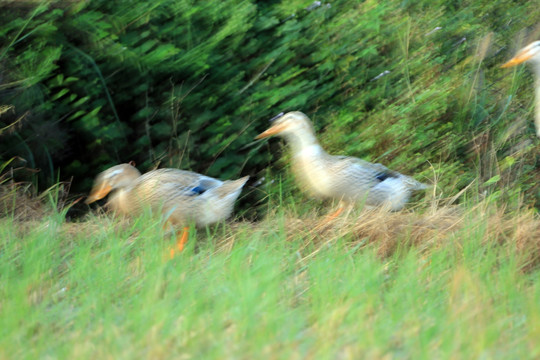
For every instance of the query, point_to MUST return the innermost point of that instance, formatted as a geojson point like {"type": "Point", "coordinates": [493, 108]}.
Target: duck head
{"type": "Point", "coordinates": [291, 123]}
{"type": "Point", "coordinates": [117, 177]}
{"type": "Point", "coordinates": [530, 54]}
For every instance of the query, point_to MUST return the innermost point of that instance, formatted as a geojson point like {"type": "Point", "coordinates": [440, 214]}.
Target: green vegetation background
{"type": "Point", "coordinates": [88, 84]}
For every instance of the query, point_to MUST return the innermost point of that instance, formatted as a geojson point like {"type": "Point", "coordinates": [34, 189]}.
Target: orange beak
{"type": "Point", "coordinates": [276, 129]}
{"type": "Point", "coordinates": [98, 193]}
{"type": "Point", "coordinates": [518, 59]}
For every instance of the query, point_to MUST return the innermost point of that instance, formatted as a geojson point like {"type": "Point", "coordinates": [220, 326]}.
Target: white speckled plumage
{"type": "Point", "coordinates": [181, 196]}
{"type": "Point", "coordinates": [339, 177]}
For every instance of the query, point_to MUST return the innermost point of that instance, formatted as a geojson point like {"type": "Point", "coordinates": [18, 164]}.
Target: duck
{"type": "Point", "coordinates": [183, 197]}
{"type": "Point", "coordinates": [347, 179]}
{"type": "Point", "coordinates": [530, 54]}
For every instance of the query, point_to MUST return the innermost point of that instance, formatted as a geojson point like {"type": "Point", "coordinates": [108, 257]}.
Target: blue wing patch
{"type": "Point", "coordinates": [197, 190]}
{"type": "Point", "coordinates": [382, 176]}
{"type": "Point", "coordinates": [204, 185]}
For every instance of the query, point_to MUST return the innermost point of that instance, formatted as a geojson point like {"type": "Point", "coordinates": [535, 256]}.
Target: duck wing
{"type": "Point", "coordinates": [357, 169]}
{"type": "Point", "coordinates": [172, 183]}
{"type": "Point", "coordinates": [374, 174]}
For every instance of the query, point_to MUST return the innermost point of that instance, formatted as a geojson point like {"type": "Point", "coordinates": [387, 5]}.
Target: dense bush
{"type": "Point", "coordinates": [87, 84]}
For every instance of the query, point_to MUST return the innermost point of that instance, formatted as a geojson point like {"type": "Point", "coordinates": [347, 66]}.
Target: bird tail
{"type": "Point", "coordinates": [232, 187]}
{"type": "Point", "coordinates": [414, 184]}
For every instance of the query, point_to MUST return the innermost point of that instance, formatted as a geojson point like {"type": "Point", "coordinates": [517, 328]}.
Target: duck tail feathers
{"type": "Point", "coordinates": [415, 185]}
{"type": "Point", "coordinates": [230, 187]}
{"type": "Point", "coordinates": [238, 183]}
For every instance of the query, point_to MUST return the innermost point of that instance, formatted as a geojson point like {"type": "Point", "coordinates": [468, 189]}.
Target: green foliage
{"type": "Point", "coordinates": [189, 84]}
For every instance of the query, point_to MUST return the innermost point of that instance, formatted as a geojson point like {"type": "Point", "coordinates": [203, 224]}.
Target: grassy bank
{"type": "Point", "coordinates": [440, 282]}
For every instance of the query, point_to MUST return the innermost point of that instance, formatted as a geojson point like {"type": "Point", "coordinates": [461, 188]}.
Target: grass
{"type": "Point", "coordinates": [440, 282]}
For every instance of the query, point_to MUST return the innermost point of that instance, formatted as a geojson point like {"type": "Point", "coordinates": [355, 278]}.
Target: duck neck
{"type": "Point", "coordinates": [302, 141]}
{"type": "Point", "coordinates": [536, 70]}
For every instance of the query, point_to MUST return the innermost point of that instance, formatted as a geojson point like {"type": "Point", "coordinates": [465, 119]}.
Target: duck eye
{"type": "Point", "coordinates": [112, 174]}
{"type": "Point", "coordinates": [277, 116]}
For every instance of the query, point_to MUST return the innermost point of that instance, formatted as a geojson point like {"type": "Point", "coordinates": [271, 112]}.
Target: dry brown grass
{"type": "Point", "coordinates": [17, 202]}
{"type": "Point", "coordinates": [450, 225]}
{"type": "Point", "coordinates": [425, 229]}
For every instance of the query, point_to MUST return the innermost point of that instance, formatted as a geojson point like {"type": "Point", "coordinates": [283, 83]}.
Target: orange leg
{"type": "Point", "coordinates": [335, 214]}
{"type": "Point", "coordinates": [181, 241]}
{"type": "Point", "coordinates": [332, 216]}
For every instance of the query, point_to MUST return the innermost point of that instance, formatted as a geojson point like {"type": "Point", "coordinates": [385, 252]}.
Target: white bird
{"type": "Point", "coordinates": [343, 178]}
{"type": "Point", "coordinates": [530, 54]}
